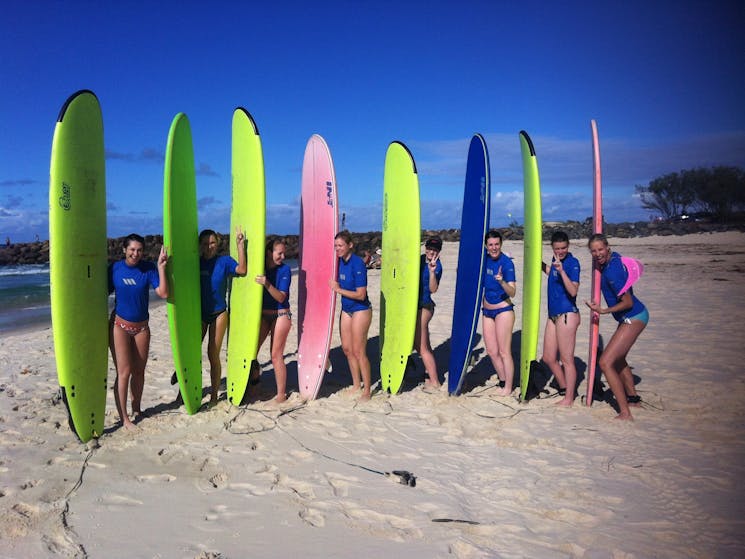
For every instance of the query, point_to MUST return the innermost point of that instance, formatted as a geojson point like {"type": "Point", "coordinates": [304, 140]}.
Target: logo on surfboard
{"type": "Point", "coordinates": [329, 193]}
{"type": "Point", "coordinates": [64, 200]}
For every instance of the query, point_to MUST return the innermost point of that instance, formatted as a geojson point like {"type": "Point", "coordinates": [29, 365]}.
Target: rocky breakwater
{"type": "Point", "coordinates": [38, 252]}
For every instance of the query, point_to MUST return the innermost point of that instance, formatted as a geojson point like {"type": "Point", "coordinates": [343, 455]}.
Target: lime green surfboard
{"type": "Point", "coordinates": [78, 252]}
{"type": "Point", "coordinates": [249, 213]}
{"type": "Point", "coordinates": [399, 272]}
{"type": "Point", "coordinates": [533, 247]}
{"type": "Point", "coordinates": [181, 239]}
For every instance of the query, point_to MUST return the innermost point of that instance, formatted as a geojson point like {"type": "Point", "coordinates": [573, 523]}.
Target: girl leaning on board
{"type": "Point", "coordinates": [632, 317]}
{"type": "Point", "coordinates": [560, 336]}
{"type": "Point", "coordinates": [498, 310]}
{"type": "Point", "coordinates": [276, 318]}
{"type": "Point", "coordinates": [131, 279]}
{"type": "Point", "coordinates": [356, 312]}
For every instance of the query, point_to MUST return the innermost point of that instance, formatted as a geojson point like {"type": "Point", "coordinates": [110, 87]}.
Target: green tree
{"type": "Point", "coordinates": [668, 195]}
{"type": "Point", "coordinates": [718, 190]}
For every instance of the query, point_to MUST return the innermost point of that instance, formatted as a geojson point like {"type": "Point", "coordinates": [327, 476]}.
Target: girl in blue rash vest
{"type": "Point", "coordinates": [497, 308]}
{"type": "Point", "coordinates": [431, 272]}
{"type": "Point", "coordinates": [130, 280]}
{"type": "Point", "coordinates": [632, 317]}
{"type": "Point", "coordinates": [214, 272]}
{"type": "Point", "coordinates": [276, 317]}
{"type": "Point", "coordinates": [356, 312]}
{"type": "Point", "coordinates": [560, 335]}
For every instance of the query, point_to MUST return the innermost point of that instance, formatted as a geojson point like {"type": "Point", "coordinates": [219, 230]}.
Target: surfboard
{"type": "Point", "coordinates": [532, 254]}
{"type": "Point", "coordinates": [319, 222]}
{"type": "Point", "coordinates": [399, 271]}
{"type": "Point", "coordinates": [78, 252]}
{"type": "Point", "coordinates": [249, 212]}
{"type": "Point", "coordinates": [474, 223]}
{"type": "Point", "coordinates": [597, 227]}
{"type": "Point", "coordinates": [181, 239]}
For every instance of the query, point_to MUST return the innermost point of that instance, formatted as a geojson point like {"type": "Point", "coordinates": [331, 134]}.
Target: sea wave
{"type": "Point", "coordinates": [24, 269]}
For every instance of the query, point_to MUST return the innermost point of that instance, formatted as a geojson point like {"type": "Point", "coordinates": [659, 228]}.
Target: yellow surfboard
{"type": "Point", "coordinates": [78, 252]}
{"type": "Point", "coordinates": [181, 239]}
{"type": "Point", "coordinates": [399, 272]}
{"type": "Point", "coordinates": [249, 213]}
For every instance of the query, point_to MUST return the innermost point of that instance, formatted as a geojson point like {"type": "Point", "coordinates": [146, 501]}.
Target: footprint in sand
{"type": "Point", "coordinates": [300, 488]}
{"type": "Point", "coordinates": [119, 500]}
{"type": "Point", "coordinates": [155, 478]}
{"type": "Point", "coordinates": [213, 483]}
{"type": "Point", "coordinates": [340, 484]}
{"type": "Point", "coordinates": [313, 517]}
{"type": "Point", "coordinates": [249, 489]}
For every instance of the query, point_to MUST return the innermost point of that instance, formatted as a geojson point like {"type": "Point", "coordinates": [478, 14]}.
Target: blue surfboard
{"type": "Point", "coordinates": [471, 258]}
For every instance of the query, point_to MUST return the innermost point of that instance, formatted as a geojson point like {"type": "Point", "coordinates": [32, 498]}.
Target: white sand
{"type": "Point", "coordinates": [532, 480]}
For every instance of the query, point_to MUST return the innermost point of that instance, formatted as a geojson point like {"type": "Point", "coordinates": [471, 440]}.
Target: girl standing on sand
{"type": "Point", "coordinates": [632, 317]}
{"type": "Point", "coordinates": [497, 308]}
{"type": "Point", "coordinates": [356, 312]}
{"type": "Point", "coordinates": [130, 279]}
{"type": "Point", "coordinates": [214, 272]}
{"type": "Point", "coordinates": [560, 335]}
{"type": "Point", "coordinates": [276, 318]}
{"type": "Point", "coordinates": [431, 272]}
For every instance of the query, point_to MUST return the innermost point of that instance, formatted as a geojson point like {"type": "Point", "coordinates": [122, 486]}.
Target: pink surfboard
{"type": "Point", "coordinates": [597, 227]}
{"type": "Point", "coordinates": [635, 270]}
{"type": "Point", "coordinates": [319, 221]}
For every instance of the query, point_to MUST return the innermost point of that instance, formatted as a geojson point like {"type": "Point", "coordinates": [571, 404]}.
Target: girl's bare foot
{"type": "Point", "coordinates": [351, 391]}
{"type": "Point", "coordinates": [129, 426]}
{"type": "Point", "coordinates": [506, 391]}
{"type": "Point", "coordinates": [279, 398]}
{"type": "Point", "coordinates": [625, 416]}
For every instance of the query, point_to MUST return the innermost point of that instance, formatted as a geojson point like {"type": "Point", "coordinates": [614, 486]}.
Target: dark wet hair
{"type": "Point", "coordinates": [206, 233]}
{"type": "Point", "coordinates": [272, 242]}
{"type": "Point", "coordinates": [493, 234]}
{"type": "Point", "coordinates": [133, 237]}
{"type": "Point", "coordinates": [434, 243]}
{"type": "Point", "coordinates": [559, 237]}
{"type": "Point", "coordinates": [345, 235]}
{"type": "Point", "coordinates": [597, 237]}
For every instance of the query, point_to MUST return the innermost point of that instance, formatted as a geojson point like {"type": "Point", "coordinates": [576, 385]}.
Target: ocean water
{"type": "Point", "coordinates": [24, 296]}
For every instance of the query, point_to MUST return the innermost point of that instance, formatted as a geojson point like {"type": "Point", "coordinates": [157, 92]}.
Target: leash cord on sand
{"type": "Point", "coordinates": [457, 520]}
{"type": "Point", "coordinates": [404, 477]}
{"type": "Point", "coordinates": [69, 532]}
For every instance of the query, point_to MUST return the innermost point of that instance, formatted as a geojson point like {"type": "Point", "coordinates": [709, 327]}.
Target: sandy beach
{"type": "Point", "coordinates": [495, 478]}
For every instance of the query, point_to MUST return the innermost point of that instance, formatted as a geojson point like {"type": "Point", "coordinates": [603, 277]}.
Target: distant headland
{"type": "Point", "coordinates": [38, 252]}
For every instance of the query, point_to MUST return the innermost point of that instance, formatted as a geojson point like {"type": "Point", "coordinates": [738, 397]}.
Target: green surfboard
{"type": "Point", "coordinates": [533, 245]}
{"type": "Point", "coordinates": [180, 237]}
{"type": "Point", "coordinates": [249, 213]}
{"type": "Point", "coordinates": [78, 252]}
{"type": "Point", "coordinates": [399, 272]}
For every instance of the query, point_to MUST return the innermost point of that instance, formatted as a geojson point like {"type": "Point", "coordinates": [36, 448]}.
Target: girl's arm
{"type": "Point", "coordinates": [240, 244]}
{"type": "Point", "coordinates": [162, 289]}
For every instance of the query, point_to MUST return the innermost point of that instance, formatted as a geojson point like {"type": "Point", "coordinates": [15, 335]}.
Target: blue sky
{"type": "Point", "coordinates": [664, 80]}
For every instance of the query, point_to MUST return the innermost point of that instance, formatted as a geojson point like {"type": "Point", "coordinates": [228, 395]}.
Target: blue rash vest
{"type": "Point", "coordinates": [493, 291]}
{"type": "Point", "coordinates": [352, 274]}
{"type": "Point", "coordinates": [131, 285]}
{"type": "Point", "coordinates": [425, 296]}
{"type": "Point", "coordinates": [613, 278]}
{"type": "Point", "coordinates": [559, 300]}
